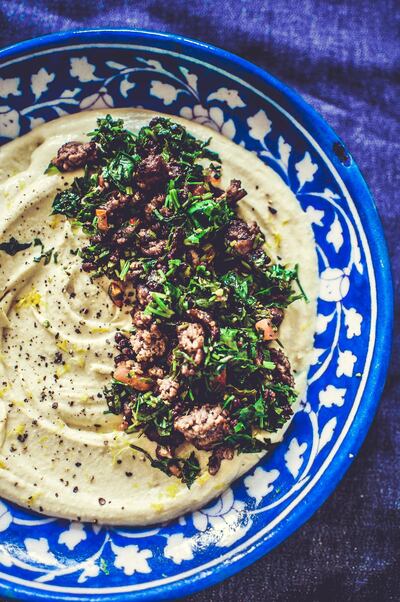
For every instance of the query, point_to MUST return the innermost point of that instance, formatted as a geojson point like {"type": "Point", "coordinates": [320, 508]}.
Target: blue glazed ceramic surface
{"type": "Point", "coordinates": [49, 559]}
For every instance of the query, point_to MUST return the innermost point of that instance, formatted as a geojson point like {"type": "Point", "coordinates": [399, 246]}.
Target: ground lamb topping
{"type": "Point", "coordinates": [72, 155]}
{"type": "Point", "coordinates": [201, 364]}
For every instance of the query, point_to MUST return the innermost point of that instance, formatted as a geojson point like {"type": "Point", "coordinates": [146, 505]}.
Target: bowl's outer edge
{"type": "Point", "coordinates": [359, 191]}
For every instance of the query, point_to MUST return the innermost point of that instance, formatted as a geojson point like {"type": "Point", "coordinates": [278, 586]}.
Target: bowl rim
{"type": "Point", "coordinates": [359, 191]}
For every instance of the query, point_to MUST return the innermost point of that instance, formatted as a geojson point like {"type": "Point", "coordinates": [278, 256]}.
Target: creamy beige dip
{"type": "Point", "coordinates": [59, 453]}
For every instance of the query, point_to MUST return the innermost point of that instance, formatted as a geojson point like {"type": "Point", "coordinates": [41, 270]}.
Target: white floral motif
{"type": "Point", "coordinates": [40, 82]}
{"type": "Point", "coordinates": [335, 234]}
{"type": "Point", "coordinates": [73, 536]}
{"type": "Point", "coordinates": [259, 484]}
{"type": "Point", "coordinates": [38, 550]}
{"type": "Point", "coordinates": [125, 86]}
{"type": "Point", "coordinates": [227, 517]}
{"type": "Point", "coordinates": [345, 363]}
{"type": "Point", "coordinates": [35, 121]}
{"type": "Point", "coordinates": [322, 322]}
{"type": "Point", "coordinates": [9, 122]}
{"type": "Point", "coordinates": [306, 169]}
{"type": "Point", "coordinates": [259, 125]}
{"type": "Point", "coordinates": [352, 320]}
{"type": "Point", "coordinates": [131, 559]}
{"type": "Point", "coordinates": [98, 100]}
{"type": "Point", "coordinates": [335, 284]}
{"type": "Point", "coordinates": [115, 65]}
{"type": "Point", "coordinates": [326, 433]}
{"type": "Point", "coordinates": [191, 79]}
{"type": "Point", "coordinates": [314, 216]}
{"type": "Point", "coordinates": [9, 87]}
{"type": "Point", "coordinates": [213, 118]}
{"type": "Point", "coordinates": [5, 517]}
{"type": "Point", "coordinates": [284, 150]}
{"type": "Point", "coordinates": [179, 548]}
{"type": "Point", "coordinates": [83, 70]}
{"type": "Point", "coordinates": [294, 456]}
{"type": "Point", "coordinates": [90, 569]}
{"type": "Point", "coordinates": [315, 355]}
{"type": "Point", "coordinates": [332, 396]}
{"type": "Point", "coordinates": [165, 92]}
{"type": "Point", "coordinates": [231, 97]}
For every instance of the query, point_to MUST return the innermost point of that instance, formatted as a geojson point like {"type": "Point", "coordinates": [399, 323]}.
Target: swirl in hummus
{"type": "Point", "coordinates": [136, 386]}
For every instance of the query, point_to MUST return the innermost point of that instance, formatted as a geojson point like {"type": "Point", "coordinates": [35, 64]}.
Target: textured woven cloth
{"type": "Point", "coordinates": [343, 57]}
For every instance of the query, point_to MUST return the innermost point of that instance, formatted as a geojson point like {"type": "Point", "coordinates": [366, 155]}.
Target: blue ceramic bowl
{"type": "Point", "coordinates": [47, 559]}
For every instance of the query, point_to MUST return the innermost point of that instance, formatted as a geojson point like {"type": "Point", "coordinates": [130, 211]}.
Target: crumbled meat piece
{"type": "Point", "coordinates": [88, 266]}
{"type": "Point", "coordinates": [116, 202]}
{"type": "Point", "coordinates": [221, 453]}
{"type": "Point", "coordinates": [203, 426]}
{"type": "Point", "coordinates": [234, 192]}
{"type": "Point", "coordinates": [202, 316]}
{"type": "Point", "coordinates": [174, 170]}
{"type": "Point", "coordinates": [140, 319]}
{"type": "Point", "coordinates": [156, 372]}
{"type": "Point", "coordinates": [269, 397]}
{"type": "Point", "coordinates": [124, 235]}
{"type": "Point", "coordinates": [152, 173]}
{"type": "Point", "coordinates": [241, 237]}
{"type": "Point", "coordinates": [155, 248]}
{"type": "Point", "coordinates": [72, 155]}
{"type": "Point", "coordinates": [148, 344]}
{"type": "Point", "coordinates": [167, 388]}
{"type": "Point", "coordinates": [276, 315]}
{"type": "Point", "coordinates": [149, 245]}
{"type": "Point", "coordinates": [143, 295]}
{"type": "Point", "coordinates": [124, 347]}
{"type": "Point", "coordinates": [154, 280]}
{"type": "Point", "coordinates": [198, 190]}
{"type": "Point", "coordinates": [282, 371]}
{"type": "Point", "coordinates": [135, 272]}
{"type": "Point", "coordinates": [155, 203]}
{"type": "Point", "coordinates": [191, 340]}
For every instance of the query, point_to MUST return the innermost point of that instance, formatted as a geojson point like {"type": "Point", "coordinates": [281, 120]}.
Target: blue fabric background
{"type": "Point", "coordinates": [343, 57]}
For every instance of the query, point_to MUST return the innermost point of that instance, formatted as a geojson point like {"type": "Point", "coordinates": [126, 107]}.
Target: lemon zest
{"type": "Point", "coordinates": [63, 370]}
{"type": "Point", "coordinates": [97, 329]}
{"type": "Point", "coordinates": [172, 490]}
{"type": "Point", "coordinates": [19, 429]}
{"type": "Point", "coordinates": [31, 299]}
{"type": "Point", "coordinates": [62, 345]}
{"type": "Point", "coordinates": [4, 390]}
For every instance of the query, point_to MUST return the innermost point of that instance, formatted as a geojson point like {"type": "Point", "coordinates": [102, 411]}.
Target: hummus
{"type": "Point", "coordinates": [60, 453]}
